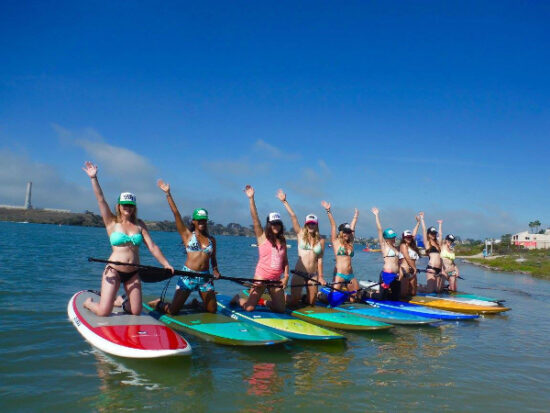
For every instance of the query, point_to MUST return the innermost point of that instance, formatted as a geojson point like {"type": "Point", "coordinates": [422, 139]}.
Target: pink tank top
{"type": "Point", "coordinates": [271, 261]}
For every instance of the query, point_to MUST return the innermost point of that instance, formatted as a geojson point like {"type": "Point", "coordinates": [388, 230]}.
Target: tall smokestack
{"type": "Point", "coordinates": [28, 196]}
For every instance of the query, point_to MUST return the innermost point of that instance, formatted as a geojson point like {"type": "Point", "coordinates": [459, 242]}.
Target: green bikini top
{"type": "Point", "coordinates": [343, 251]}
{"type": "Point", "coordinates": [119, 238]}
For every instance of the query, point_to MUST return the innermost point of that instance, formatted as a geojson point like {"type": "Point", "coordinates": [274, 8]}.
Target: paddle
{"type": "Point", "coordinates": [158, 274]}
{"type": "Point", "coordinates": [438, 274]}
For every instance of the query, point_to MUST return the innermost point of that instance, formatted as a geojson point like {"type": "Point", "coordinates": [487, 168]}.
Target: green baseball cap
{"type": "Point", "coordinates": [127, 198]}
{"type": "Point", "coordinates": [200, 214]}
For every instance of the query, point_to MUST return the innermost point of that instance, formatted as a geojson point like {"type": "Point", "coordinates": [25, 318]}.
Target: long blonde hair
{"type": "Point", "coordinates": [316, 236]}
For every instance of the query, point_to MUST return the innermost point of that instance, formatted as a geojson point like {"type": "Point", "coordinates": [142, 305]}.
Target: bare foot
{"type": "Point", "coordinates": [235, 300]}
{"type": "Point", "coordinates": [119, 301]}
{"type": "Point", "coordinates": [87, 303]}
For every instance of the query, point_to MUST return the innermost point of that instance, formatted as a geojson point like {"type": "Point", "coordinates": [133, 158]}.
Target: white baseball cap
{"type": "Point", "coordinates": [274, 217]}
{"type": "Point", "coordinates": [312, 219]}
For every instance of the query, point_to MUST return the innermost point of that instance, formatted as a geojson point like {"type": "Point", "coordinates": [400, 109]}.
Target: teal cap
{"type": "Point", "coordinates": [200, 214]}
{"type": "Point", "coordinates": [389, 233]}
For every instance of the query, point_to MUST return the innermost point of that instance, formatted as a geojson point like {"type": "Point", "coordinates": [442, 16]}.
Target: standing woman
{"type": "Point", "coordinates": [201, 251]}
{"type": "Point", "coordinates": [389, 279]}
{"type": "Point", "coordinates": [342, 245]}
{"type": "Point", "coordinates": [310, 255]}
{"type": "Point", "coordinates": [272, 260]}
{"type": "Point", "coordinates": [126, 234]}
{"type": "Point", "coordinates": [449, 264]}
{"type": "Point", "coordinates": [434, 270]}
{"type": "Point", "coordinates": [408, 255]}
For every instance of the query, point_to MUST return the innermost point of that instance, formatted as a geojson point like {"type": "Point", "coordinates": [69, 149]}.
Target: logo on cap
{"type": "Point", "coordinates": [312, 219]}
{"type": "Point", "coordinates": [407, 233]}
{"type": "Point", "coordinates": [274, 216]}
{"type": "Point", "coordinates": [127, 198]}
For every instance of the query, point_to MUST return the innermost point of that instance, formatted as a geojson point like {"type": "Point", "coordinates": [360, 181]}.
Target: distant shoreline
{"type": "Point", "coordinates": [535, 263]}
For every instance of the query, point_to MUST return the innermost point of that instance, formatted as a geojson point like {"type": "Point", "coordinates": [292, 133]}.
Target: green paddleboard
{"type": "Point", "coordinates": [217, 328]}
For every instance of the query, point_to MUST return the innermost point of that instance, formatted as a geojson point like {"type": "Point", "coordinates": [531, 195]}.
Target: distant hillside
{"type": "Point", "coordinates": [89, 219]}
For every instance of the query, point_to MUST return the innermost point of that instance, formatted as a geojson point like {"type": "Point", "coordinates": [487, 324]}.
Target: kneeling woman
{"type": "Point", "coordinates": [342, 244]}
{"type": "Point", "coordinates": [448, 258]}
{"type": "Point", "coordinates": [408, 255]}
{"type": "Point", "coordinates": [310, 256]}
{"type": "Point", "coordinates": [389, 279]}
{"type": "Point", "coordinates": [434, 270]}
{"type": "Point", "coordinates": [272, 260]}
{"type": "Point", "coordinates": [126, 234]}
{"type": "Point", "coordinates": [201, 251]}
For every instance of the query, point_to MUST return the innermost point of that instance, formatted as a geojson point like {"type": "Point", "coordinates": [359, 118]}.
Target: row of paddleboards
{"type": "Point", "coordinates": [153, 334]}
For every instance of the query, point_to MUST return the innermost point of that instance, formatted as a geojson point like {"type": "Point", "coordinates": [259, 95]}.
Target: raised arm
{"type": "Point", "coordinates": [153, 248]}
{"type": "Point", "coordinates": [354, 220]}
{"type": "Point", "coordinates": [333, 233]}
{"type": "Point", "coordinates": [258, 230]}
{"type": "Point", "coordinates": [376, 213]}
{"type": "Point", "coordinates": [440, 234]}
{"type": "Point", "coordinates": [424, 232]}
{"type": "Point", "coordinates": [415, 230]}
{"type": "Point", "coordinates": [106, 214]}
{"type": "Point", "coordinates": [295, 224]}
{"type": "Point", "coordinates": [184, 232]}
{"type": "Point", "coordinates": [320, 263]}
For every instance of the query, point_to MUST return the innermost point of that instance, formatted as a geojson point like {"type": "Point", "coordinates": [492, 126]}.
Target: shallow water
{"type": "Point", "coordinates": [498, 363]}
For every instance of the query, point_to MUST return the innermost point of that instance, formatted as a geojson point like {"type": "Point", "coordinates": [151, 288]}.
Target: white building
{"type": "Point", "coordinates": [532, 241]}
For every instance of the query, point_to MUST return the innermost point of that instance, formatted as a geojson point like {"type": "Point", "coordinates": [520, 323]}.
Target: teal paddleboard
{"type": "Point", "coordinates": [282, 324]}
{"type": "Point", "coordinates": [217, 328]}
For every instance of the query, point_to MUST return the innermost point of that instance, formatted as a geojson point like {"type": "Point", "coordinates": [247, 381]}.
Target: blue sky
{"type": "Point", "coordinates": [407, 106]}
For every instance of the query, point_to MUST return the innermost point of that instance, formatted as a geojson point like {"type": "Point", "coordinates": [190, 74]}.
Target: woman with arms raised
{"type": "Point", "coordinates": [272, 260]}
{"type": "Point", "coordinates": [389, 279]}
{"type": "Point", "coordinates": [201, 251]}
{"type": "Point", "coordinates": [310, 256]}
{"type": "Point", "coordinates": [342, 244]}
{"type": "Point", "coordinates": [449, 265]}
{"type": "Point", "coordinates": [126, 234]}
{"type": "Point", "coordinates": [434, 270]}
{"type": "Point", "coordinates": [408, 255]}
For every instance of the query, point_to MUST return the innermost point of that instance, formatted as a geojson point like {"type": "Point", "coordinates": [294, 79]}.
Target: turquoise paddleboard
{"type": "Point", "coordinates": [282, 324]}
{"type": "Point", "coordinates": [217, 328]}
{"type": "Point", "coordinates": [421, 310]}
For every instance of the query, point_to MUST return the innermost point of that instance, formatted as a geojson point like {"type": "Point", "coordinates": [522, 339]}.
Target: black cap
{"type": "Point", "coordinates": [345, 227]}
{"type": "Point", "coordinates": [450, 237]}
{"type": "Point", "coordinates": [432, 230]}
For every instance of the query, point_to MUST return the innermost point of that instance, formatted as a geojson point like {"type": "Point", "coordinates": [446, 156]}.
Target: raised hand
{"type": "Point", "coordinates": [421, 215]}
{"type": "Point", "coordinates": [439, 221]}
{"type": "Point", "coordinates": [375, 211]}
{"type": "Point", "coordinates": [325, 205]}
{"type": "Point", "coordinates": [163, 185]}
{"type": "Point", "coordinates": [281, 195]}
{"type": "Point", "coordinates": [249, 191]}
{"type": "Point", "coordinates": [90, 169]}
{"type": "Point", "coordinates": [356, 212]}
{"type": "Point", "coordinates": [417, 217]}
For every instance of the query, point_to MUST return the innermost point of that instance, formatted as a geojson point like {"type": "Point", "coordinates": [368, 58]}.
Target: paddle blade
{"type": "Point", "coordinates": [151, 275]}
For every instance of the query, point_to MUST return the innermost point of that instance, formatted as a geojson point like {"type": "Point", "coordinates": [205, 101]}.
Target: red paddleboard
{"type": "Point", "coordinates": [125, 335]}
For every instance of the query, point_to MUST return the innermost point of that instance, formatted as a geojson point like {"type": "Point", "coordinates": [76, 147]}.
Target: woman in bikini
{"type": "Point", "coordinates": [408, 255]}
{"type": "Point", "coordinates": [434, 270]}
{"type": "Point", "coordinates": [449, 265]}
{"type": "Point", "coordinates": [272, 261]}
{"type": "Point", "coordinates": [310, 256]}
{"type": "Point", "coordinates": [389, 278]}
{"type": "Point", "coordinates": [126, 233]}
{"type": "Point", "coordinates": [342, 245]}
{"type": "Point", "coordinates": [201, 252]}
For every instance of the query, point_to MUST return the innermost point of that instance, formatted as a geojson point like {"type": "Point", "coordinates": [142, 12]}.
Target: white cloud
{"type": "Point", "coordinates": [274, 152]}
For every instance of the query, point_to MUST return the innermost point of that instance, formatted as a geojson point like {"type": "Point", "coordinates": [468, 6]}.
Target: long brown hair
{"type": "Point", "coordinates": [412, 245]}
{"type": "Point", "coordinates": [272, 237]}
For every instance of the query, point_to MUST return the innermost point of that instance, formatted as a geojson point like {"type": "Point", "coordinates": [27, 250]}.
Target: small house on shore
{"type": "Point", "coordinates": [532, 241]}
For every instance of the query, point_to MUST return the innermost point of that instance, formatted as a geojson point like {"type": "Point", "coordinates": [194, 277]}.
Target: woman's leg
{"type": "Point", "coordinates": [133, 292]}
{"type": "Point", "coordinates": [311, 293]}
{"type": "Point", "coordinates": [277, 302]}
{"type": "Point", "coordinates": [209, 300]}
{"type": "Point", "coordinates": [413, 284]}
{"type": "Point", "coordinates": [353, 286]}
{"type": "Point", "coordinates": [295, 292]}
{"type": "Point", "coordinates": [110, 282]}
{"type": "Point", "coordinates": [249, 303]}
{"type": "Point", "coordinates": [431, 282]}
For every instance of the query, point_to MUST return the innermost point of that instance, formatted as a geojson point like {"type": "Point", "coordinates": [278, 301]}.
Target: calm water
{"type": "Point", "coordinates": [499, 363]}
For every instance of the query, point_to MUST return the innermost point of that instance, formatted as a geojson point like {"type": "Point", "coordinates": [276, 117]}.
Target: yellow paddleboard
{"type": "Point", "coordinates": [457, 306]}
